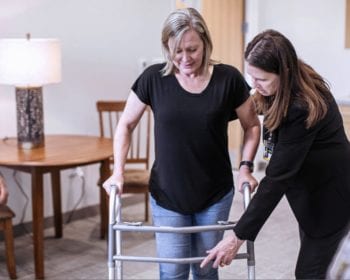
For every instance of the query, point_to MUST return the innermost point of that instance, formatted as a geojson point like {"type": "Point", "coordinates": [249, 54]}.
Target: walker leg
{"type": "Point", "coordinates": [119, 264]}
{"type": "Point", "coordinates": [114, 205]}
{"type": "Point", "coordinates": [251, 272]}
{"type": "Point", "coordinates": [111, 273]}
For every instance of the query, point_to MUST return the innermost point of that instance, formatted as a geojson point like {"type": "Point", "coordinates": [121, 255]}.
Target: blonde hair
{"type": "Point", "coordinates": [175, 26]}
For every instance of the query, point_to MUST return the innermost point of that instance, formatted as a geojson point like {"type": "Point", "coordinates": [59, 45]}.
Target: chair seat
{"type": "Point", "coordinates": [134, 178]}
{"type": "Point", "coordinates": [136, 181]}
{"type": "Point", "coordinates": [6, 212]}
{"type": "Point", "coordinates": [6, 216]}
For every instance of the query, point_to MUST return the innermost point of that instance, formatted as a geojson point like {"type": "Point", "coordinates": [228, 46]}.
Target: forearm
{"type": "Point", "coordinates": [122, 138]}
{"type": "Point", "coordinates": [251, 128]}
{"type": "Point", "coordinates": [251, 140]}
{"type": "Point", "coordinates": [121, 145]}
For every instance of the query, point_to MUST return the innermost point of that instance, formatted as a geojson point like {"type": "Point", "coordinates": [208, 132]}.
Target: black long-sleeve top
{"type": "Point", "coordinates": [312, 168]}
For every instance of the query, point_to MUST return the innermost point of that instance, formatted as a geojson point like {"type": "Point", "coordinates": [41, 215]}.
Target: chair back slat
{"type": "Point", "coordinates": [109, 113]}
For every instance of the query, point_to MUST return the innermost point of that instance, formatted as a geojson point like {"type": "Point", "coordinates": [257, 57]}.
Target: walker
{"type": "Point", "coordinates": [116, 226]}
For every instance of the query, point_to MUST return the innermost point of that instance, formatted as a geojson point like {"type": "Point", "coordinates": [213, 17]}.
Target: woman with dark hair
{"type": "Point", "coordinates": [308, 155]}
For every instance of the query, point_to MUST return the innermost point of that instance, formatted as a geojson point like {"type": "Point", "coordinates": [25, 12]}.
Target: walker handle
{"type": "Point", "coordinates": [246, 194]}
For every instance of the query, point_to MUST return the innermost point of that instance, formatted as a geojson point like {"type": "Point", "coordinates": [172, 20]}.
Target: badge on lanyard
{"type": "Point", "coordinates": [269, 144]}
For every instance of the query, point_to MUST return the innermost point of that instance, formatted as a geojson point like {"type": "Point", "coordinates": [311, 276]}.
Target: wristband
{"type": "Point", "coordinates": [247, 163]}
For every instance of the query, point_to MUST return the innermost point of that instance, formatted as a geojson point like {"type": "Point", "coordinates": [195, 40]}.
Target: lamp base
{"type": "Point", "coordinates": [30, 125]}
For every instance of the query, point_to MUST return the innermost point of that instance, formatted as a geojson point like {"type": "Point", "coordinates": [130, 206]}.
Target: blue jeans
{"type": "Point", "coordinates": [178, 245]}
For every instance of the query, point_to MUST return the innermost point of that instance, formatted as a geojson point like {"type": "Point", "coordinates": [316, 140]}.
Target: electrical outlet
{"type": "Point", "coordinates": [78, 171]}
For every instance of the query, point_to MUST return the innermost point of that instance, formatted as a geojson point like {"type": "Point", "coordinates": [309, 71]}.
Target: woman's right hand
{"type": "Point", "coordinates": [114, 180]}
{"type": "Point", "coordinates": [224, 252]}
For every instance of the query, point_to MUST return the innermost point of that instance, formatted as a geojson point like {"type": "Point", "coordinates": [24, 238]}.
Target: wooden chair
{"type": "Point", "coordinates": [6, 216]}
{"type": "Point", "coordinates": [137, 173]}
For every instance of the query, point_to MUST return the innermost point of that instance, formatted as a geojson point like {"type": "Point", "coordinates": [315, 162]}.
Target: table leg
{"type": "Point", "coordinates": [56, 201]}
{"type": "Point", "coordinates": [104, 174]}
{"type": "Point", "coordinates": [38, 221]}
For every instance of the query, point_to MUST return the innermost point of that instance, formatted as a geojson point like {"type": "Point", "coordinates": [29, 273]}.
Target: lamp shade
{"type": "Point", "coordinates": [30, 62]}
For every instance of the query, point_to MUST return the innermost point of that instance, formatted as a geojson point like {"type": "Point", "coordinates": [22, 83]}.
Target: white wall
{"type": "Point", "coordinates": [102, 44]}
{"type": "Point", "coordinates": [317, 30]}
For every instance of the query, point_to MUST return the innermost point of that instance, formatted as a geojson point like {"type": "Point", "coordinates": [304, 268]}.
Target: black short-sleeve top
{"type": "Point", "coordinates": [192, 168]}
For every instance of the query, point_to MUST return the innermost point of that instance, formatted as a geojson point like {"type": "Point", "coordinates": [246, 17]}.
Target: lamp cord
{"type": "Point", "coordinates": [78, 172]}
{"type": "Point", "coordinates": [25, 206]}
{"type": "Point", "coordinates": [81, 176]}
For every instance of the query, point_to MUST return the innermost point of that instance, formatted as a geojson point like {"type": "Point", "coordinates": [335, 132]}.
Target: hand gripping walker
{"type": "Point", "coordinates": [115, 227]}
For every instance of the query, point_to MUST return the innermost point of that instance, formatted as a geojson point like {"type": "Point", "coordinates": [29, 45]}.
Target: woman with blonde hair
{"type": "Point", "coordinates": [193, 99]}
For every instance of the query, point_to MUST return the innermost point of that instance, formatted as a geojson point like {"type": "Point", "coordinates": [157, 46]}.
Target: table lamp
{"type": "Point", "coordinates": [28, 64]}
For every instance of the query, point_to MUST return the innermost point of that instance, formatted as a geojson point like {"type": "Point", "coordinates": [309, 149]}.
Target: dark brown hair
{"type": "Point", "coordinates": [272, 52]}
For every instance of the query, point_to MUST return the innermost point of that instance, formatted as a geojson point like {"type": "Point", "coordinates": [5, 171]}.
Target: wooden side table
{"type": "Point", "coordinates": [60, 152]}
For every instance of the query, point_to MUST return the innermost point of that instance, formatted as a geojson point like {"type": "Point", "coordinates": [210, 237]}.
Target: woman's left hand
{"type": "Point", "coordinates": [246, 176]}
{"type": "Point", "coordinates": [224, 252]}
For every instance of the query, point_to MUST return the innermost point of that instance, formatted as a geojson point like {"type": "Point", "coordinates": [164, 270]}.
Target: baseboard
{"type": "Point", "coordinates": [82, 213]}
